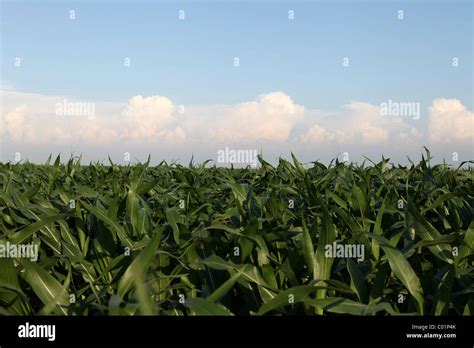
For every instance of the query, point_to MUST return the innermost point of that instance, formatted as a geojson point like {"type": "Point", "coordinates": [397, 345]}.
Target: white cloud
{"type": "Point", "coordinates": [408, 136]}
{"type": "Point", "coordinates": [367, 125]}
{"type": "Point", "coordinates": [450, 121]}
{"type": "Point", "coordinates": [174, 136]}
{"type": "Point", "coordinates": [271, 117]}
{"type": "Point", "coordinates": [31, 119]}
{"type": "Point", "coordinates": [357, 123]}
{"type": "Point", "coordinates": [13, 123]}
{"type": "Point", "coordinates": [317, 135]}
{"type": "Point", "coordinates": [147, 117]}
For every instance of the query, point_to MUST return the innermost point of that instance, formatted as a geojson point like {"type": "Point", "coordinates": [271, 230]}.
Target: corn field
{"type": "Point", "coordinates": [173, 240]}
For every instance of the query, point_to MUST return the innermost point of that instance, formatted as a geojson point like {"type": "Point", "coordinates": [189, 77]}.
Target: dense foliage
{"type": "Point", "coordinates": [183, 240]}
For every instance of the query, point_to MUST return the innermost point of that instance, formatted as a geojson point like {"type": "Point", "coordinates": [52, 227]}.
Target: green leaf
{"type": "Point", "coordinates": [308, 250]}
{"type": "Point", "coordinates": [139, 265]}
{"type": "Point", "coordinates": [172, 217]}
{"type": "Point", "coordinates": [357, 281]}
{"type": "Point", "coordinates": [28, 231]}
{"type": "Point", "coordinates": [45, 286]}
{"type": "Point", "coordinates": [222, 290]}
{"type": "Point", "coordinates": [286, 298]}
{"type": "Point", "coordinates": [132, 206]}
{"type": "Point", "coordinates": [216, 262]}
{"type": "Point", "coordinates": [113, 225]}
{"type": "Point", "coordinates": [201, 306]}
{"type": "Point", "coordinates": [467, 247]}
{"type": "Point", "coordinates": [443, 297]}
{"type": "Point", "coordinates": [429, 233]}
{"type": "Point", "coordinates": [403, 271]}
{"type": "Point", "coordinates": [359, 202]}
{"type": "Point", "coordinates": [298, 165]}
{"type": "Point", "coordinates": [323, 263]}
{"type": "Point", "coordinates": [346, 306]}
{"type": "Point", "coordinates": [378, 230]}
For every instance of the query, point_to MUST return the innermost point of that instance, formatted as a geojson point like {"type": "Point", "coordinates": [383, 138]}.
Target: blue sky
{"type": "Point", "coordinates": [190, 61]}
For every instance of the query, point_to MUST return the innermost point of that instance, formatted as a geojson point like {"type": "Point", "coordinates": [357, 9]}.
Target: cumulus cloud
{"type": "Point", "coordinates": [317, 135]}
{"type": "Point", "coordinates": [173, 136]}
{"type": "Point", "coordinates": [33, 119]}
{"type": "Point", "coordinates": [270, 117]}
{"type": "Point", "coordinates": [356, 123]}
{"type": "Point", "coordinates": [409, 135]}
{"type": "Point", "coordinates": [366, 124]}
{"type": "Point", "coordinates": [13, 123]}
{"type": "Point", "coordinates": [450, 121]}
{"type": "Point", "coordinates": [146, 117]}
